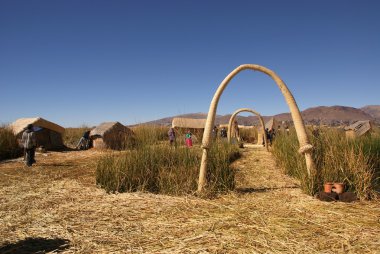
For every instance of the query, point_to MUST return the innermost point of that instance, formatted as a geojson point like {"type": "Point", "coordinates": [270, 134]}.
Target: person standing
{"type": "Point", "coordinates": [171, 135]}
{"type": "Point", "coordinates": [29, 143]}
{"type": "Point", "coordinates": [223, 132]}
{"type": "Point", "coordinates": [189, 141]}
{"type": "Point", "coordinates": [214, 133]}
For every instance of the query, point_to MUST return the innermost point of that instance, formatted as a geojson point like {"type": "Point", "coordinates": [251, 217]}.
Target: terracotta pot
{"type": "Point", "coordinates": [328, 187]}
{"type": "Point", "coordinates": [338, 188]}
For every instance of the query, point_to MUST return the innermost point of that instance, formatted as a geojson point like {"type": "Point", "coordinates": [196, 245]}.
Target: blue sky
{"type": "Point", "coordinates": [85, 62]}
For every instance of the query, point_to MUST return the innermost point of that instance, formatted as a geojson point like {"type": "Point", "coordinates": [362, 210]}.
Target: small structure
{"type": "Point", "coordinates": [110, 135]}
{"type": "Point", "coordinates": [358, 129]}
{"type": "Point", "coordinates": [48, 134]}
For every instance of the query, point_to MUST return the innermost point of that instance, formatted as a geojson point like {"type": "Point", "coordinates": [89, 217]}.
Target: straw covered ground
{"type": "Point", "coordinates": [56, 206]}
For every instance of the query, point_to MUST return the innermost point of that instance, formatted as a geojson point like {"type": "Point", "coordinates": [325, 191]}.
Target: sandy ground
{"type": "Point", "coordinates": [55, 206]}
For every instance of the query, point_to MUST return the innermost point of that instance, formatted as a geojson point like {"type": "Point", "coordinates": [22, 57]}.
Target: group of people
{"type": "Point", "coordinates": [223, 132]}
{"type": "Point", "coordinates": [188, 137]}
{"type": "Point", "coordinates": [270, 134]}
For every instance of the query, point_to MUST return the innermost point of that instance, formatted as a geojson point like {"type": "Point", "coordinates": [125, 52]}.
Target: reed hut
{"type": "Point", "coordinates": [110, 135]}
{"type": "Point", "coordinates": [48, 134]}
{"type": "Point", "coordinates": [272, 124]}
{"type": "Point", "coordinates": [196, 126]}
{"type": "Point", "coordinates": [358, 129]}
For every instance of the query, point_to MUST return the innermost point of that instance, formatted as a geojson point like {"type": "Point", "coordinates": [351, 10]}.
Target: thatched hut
{"type": "Point", "coordinates": [358, 129]}
{"type": "Point", "coordinates": [196, 126]}
{"type": "Point", "coordinates": [110, 135]}
{"type": "Point", "coordinates": [48, 134]}
{"type": "Point", "coordinates": [272, 124]}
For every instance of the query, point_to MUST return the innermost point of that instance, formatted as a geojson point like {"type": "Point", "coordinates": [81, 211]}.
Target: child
{"type": "Point", "coordinates": [189, 141]}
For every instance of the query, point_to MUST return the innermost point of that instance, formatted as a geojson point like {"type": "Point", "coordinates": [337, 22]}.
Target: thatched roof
{"type": "Point", "coordinates": [271, 124]}
{"type": "Point", "coordinates": [20, 124]}
{"type": "Point", "coordinates": [360, 127]}
{"type": "Point", "coordinates": [188, 123]}
{"type": "Point", "coordinates": [103, 128]}
{"type": "Point", "coordinates": [240, 126]}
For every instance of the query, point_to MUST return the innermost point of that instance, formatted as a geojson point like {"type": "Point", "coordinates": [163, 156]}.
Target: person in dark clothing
{"type": "Point", "coordinates": [171, 134]}
{"type": "Point", "coordinates": [84, 142]}
{"type": "Point", "coordinates": [214, 132]}
{"type": "Point", "coordinates": [223, 132]}
{"type": "Point", "coordinates": [29, 143]}
{"type": "Point", "coordinates": [268, 135]}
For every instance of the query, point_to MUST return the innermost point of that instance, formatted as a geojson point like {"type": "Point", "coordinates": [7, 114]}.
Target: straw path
{"type": "Point", "coordinates": [266, 214]}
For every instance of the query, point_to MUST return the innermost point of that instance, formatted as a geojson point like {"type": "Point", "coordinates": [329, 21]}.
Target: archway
{"type": "Point", "coordinates": [305, 147]}
{"type": "Point", "coordinates": [232, 119]}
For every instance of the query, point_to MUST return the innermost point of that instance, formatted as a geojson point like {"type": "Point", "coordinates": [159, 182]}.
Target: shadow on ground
{"type": "Point", "coordinates": [252, 190]}
{"type": "Point", "coordinates": [35, 245]}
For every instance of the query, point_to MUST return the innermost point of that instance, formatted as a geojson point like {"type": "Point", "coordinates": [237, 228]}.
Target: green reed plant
{"type": "Point", "coordinates": [355, 162]}
{"type": "Point", "coordinates": [9, 147]}
{"type": "Point", "coordinates": [149, 135]}
{"type": "Point", "coordinates": [164, 169]}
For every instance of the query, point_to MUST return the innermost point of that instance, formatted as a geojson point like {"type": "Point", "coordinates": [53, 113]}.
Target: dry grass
{"type": "Point", "coordinates": [268, 213]}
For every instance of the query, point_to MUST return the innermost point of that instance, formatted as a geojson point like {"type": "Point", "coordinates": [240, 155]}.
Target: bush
{"type": "Point", "coordinates": [9, 147]}
{"type": "Point", "coordinates": [338, 159]}
{"type": "Point", "coordinates": [165, 169]}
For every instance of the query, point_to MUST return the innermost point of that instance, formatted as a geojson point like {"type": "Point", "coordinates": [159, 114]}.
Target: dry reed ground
{"type": "Point", "coordinates": [58, 199]}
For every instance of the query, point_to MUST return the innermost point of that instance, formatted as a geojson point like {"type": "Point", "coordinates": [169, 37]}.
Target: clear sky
{"type": "Point", "coordinates": [85, 62]}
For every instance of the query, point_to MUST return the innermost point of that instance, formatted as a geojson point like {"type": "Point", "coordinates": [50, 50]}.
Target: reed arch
{"type": "Point", "coordinates": [232, 119]}
{"type": "Point", "coordinates": [305, 147]}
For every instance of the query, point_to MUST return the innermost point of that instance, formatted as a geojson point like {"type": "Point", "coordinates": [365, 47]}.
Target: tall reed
{"type": "Point", "coordinates": [355, 162]}
{"type": "Point", "coordinates": [9, 147]}
{"type": "Point", "coordinates": [157, 167]}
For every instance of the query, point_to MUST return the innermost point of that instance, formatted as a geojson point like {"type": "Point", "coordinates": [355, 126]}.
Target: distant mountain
{"type": "Point", "coordinates": [334, 115]}
{"type": "Point", "coordinates": [372, 110]}
{"type": "Point", "coordinates": [329, 115]}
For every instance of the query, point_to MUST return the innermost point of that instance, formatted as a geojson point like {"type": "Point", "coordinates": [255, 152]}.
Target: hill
{"type": "Point", "coordinates": [372, 110]}
{"type": "Point", "coordinates": [332, 115]}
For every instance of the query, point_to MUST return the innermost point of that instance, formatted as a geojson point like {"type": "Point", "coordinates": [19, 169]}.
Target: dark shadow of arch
{"type": "Point", "coordinates": [35, 245]}
{"type": "Point", "coordinates": [258, 190]}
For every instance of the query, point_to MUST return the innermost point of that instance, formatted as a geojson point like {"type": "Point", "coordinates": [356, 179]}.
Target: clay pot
{"type": "Point", "coordinates": [338, 188]}
{"type": "Point", "coordinates": [328, 187]}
